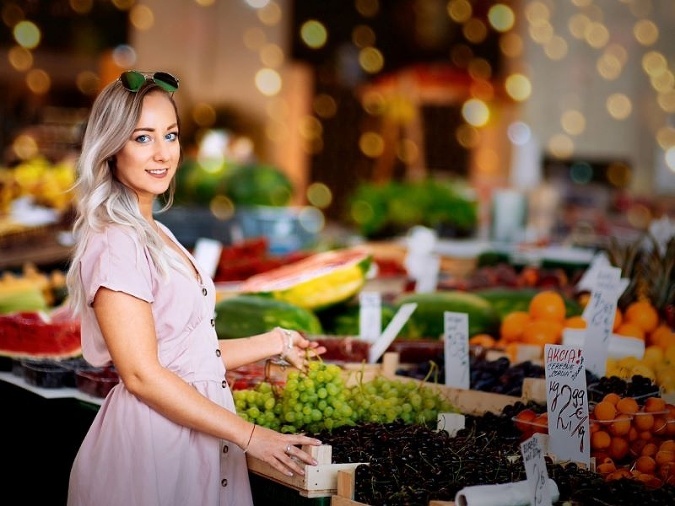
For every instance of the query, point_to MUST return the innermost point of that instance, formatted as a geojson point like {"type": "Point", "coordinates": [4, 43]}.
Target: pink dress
{"type": "Point", "coordinates": [132, 455]}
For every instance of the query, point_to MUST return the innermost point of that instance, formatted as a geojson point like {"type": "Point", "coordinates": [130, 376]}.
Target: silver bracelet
{"type": "Point", "coordinates": [287, 344]}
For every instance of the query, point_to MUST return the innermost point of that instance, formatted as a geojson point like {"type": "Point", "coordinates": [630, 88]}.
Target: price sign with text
{"type": "Point", "coordinates": [456, 349]}
{"type": "Point", "coordinates": [370, 315]}
{"type": "Point", "coordinates": [535, 470]}
{"type": "Point", "coordinates": [599, 315]}
{"type": "Point", "coordinates": [567, 403]}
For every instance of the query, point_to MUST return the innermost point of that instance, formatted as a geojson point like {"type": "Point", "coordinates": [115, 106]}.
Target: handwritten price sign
{"type": "Point", "coordinates": [599, 315]}
{"type": "Point", "coordinates": [535, 470]}
{"type": "Point", "coordinates": [456, 349]}
{"type": "Point", "coordinates": [567, 403]}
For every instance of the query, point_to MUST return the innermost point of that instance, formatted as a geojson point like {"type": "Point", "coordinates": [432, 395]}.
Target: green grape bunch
{"type": "Point", "coordinates": [317, 399]}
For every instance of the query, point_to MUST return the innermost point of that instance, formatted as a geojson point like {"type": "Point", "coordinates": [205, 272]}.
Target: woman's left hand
{"type": "Point", "coordinates": [297, 349]}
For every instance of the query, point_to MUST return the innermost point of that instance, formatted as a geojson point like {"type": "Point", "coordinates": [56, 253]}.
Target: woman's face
{"type": "Point", "coordinates": [148, 161]}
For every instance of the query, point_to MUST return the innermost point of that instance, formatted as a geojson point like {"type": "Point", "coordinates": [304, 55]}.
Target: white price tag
{"type": "Point", "coordinates": [370, 315]}
{"type": "Point", "coordinates": [599, 315]}
{"type": "Point", "coordinates": [535, 470]}
{"type": "Point", "coordinates": [567, 403]}
{"type": "Point", "coordinates": [207, 254]}
{"type": "Point", "coordinates": [456, 349]}
{"type": "Point", "coordinates": [428, 275]}
{"type": "Point", "coordinates": [387, 337]}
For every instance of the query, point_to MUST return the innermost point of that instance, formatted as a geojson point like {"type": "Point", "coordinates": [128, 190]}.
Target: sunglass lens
{"type": "Point", "coordinates": [132, 81]}
{"type": "Point", "coordinates": [165, 81]}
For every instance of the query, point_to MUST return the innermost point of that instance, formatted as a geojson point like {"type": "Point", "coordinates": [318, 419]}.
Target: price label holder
{"type": "Point", "coordinates": [370, 315]}
{"type": "Point", "coordinates": [599, 314]}
{"type": "Point", "coordinates": [207, 254]}
{"type": "Point", "coordinates": [456, 349]}
{"type": "Point", "coordinates": [567, 403]}
{"type": "Point", "coordinates": [450, 423]}
{"type": "Point", "coordinates": [535, 470]}
{"type": "Point", "coordinates": [428, 276]}
{"type": "Point", "coordinates": [390, 332]}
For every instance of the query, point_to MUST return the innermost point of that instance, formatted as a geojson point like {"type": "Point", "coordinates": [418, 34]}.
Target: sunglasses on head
{"type": "Point", "coordinates": [132, 80]}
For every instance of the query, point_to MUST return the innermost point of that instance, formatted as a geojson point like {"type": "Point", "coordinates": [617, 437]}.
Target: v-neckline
{"type": "Point", "coordinates": [183, 253]}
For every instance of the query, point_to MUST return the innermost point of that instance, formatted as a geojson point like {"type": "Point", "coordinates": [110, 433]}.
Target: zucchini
{"type": "Point", "coordinates": [247, 315]}
{"type": "Point", "coordinates": [428, 321]}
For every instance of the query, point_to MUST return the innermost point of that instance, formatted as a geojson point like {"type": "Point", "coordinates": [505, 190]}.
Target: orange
{"type": "Point", "coordinates": [483, 340]}
{"type": "Point", "coordinates": [645, 464]}
{"type": "Point", "coordinates": [548, 305]}
{"type": "Point", "coordinates": [621, 425]}
{"type": "Point", "coordinates": [604, 411]}
{"type": "Point", "coordinates": [668, 445]}
{"type": "Point", "coordinates": [575, 322]}
{"type": "Point", "coordinates": [629, 329]}
{"type": "Point", "coordinates": [660, 427]}
{"type": "Point", "coordinates": [606, 467]}
{"type": "Point", "coordinates": [542, 332]}
{"type": "Point", "coordinates": [513, 324]}
{"type": "Point", "coordinates": [618, 319]}
{"type": "Point", "coordinates": [649, 449]}
{"type": "Point", "coordinates": [643, 422]}
{"type": "Point", "coordinates": [661, 336]}
{"type": "Point", "coordinates": [664, 457]}
{"type": "Point", "coordinates": [618, 448]}
{"type": "Point", "coordinates": [643, 314]}
{"type": "Point", "coordinates": [612, 397]}
{"type": "Point", "coordinates": [654, 405]}
{"type": "Point", "coordinates": [600, 440]}
{"type": "Point", "coordinates": [627, 405]}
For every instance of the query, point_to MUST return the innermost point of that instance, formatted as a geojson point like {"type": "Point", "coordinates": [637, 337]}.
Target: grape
{"type": "Point", "coordinates": [317, 399]}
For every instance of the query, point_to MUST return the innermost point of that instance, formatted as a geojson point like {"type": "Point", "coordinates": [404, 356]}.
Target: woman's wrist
{"type": "Point", "coordinates": [286, 341]}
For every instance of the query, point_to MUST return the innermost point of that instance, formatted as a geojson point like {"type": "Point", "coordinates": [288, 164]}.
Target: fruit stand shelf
{"type": "Point", "coordinates": [50, 393]}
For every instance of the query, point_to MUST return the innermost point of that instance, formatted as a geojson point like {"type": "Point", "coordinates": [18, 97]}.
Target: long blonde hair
{"type": "Point", "coordinates": [101, 198]}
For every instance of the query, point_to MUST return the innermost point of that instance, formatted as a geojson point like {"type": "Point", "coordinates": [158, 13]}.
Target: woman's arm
{"type": "Point", "coordinates": [288, 344]}
{"type": "Point", "coordinates": [132, 343]}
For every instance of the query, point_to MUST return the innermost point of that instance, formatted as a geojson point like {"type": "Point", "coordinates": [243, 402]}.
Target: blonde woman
{"type": "Point", "coordinates": [168, 433]}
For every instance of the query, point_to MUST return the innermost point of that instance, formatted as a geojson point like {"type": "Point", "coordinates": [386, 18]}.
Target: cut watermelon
{"type": "Point", "coordinates": [316, 282]}
{"type": "Point", "coordinates": [36, 335]}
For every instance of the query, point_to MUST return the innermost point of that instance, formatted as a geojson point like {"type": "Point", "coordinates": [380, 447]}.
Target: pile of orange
{"type": "Point", "coordinates": [633, 441]}
{"type": "Point", "coordinates": [541, 324]}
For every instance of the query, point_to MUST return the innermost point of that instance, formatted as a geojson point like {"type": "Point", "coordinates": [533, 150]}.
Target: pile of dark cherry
{"type": "Point", "coordinates": [501, 377]}
{"type": "Point", "coordinates": [414, 464]}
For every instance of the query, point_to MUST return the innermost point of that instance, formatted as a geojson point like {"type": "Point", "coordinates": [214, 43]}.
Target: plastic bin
{"type": "Point", "coordinates": [287, 229]}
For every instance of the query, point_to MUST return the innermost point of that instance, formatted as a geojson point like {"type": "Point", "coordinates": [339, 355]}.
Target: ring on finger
{"type": "Point", "coordinates": [288, 449]}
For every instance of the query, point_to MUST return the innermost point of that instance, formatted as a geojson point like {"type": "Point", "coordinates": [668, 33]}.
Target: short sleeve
{"type": "Point", "coordinates": [115, 260]}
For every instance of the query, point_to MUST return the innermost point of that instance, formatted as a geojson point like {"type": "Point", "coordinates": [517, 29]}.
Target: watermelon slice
{"type": "Point", "coordinates": [316, 282]}
{"type": "Point", "coordinates": [38, 335]}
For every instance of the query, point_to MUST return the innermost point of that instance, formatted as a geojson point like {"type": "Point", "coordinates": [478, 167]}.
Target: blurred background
{"type": "Point", "coordinates": [539, 121]}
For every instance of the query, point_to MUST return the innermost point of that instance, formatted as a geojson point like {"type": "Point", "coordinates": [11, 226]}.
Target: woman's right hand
{"type": "Point", "coordinates": [281, 450]}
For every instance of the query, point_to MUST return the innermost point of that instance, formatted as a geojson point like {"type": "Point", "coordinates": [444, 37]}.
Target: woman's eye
{"type": "Point", "coordinates": [172, 136]}
{"type": "Point", "coordinates": [143, 138]}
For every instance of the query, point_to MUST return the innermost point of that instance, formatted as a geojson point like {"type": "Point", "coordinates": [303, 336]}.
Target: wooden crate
{"type": "Point", "coordinates": [318, 481]}
{"type": "Point", "coordinates": [345, 492]}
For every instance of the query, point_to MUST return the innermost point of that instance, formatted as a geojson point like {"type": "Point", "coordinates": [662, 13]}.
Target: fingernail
{"type": "Point", "coordinates": [317, 441]}
{"type": "Point", "coordinates": [314, 462]}
{"type": "Point", "coordinates": [289, 473]}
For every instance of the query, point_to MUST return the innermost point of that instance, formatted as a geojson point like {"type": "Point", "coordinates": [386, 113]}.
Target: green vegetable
{"type": "Point", "coordinates": [428, 319]}
{"type": "Point", "coordinates": [247, 315]}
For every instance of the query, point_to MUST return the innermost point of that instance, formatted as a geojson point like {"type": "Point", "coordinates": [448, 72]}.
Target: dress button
{"type": "Point", "coordinates": [217, 353]}
{"type": "Point", "coordinates": [226, 448]}
{"type": "Point", "coordinates": [204, 291]}
{"type": "Point", "coordinates": [213, 322]}
{"type": "Point", "coordinates": [224, 383]}
{"type": "Point", "coordinates": [223, 482]}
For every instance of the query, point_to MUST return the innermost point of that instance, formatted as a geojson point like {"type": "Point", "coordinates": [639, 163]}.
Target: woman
{"type": "Point", "coordinates": [168, 433]}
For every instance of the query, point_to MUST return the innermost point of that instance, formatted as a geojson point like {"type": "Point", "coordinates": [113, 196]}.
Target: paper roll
{"type": "Point", "coordinates": [505, 494]}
